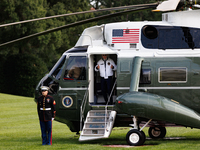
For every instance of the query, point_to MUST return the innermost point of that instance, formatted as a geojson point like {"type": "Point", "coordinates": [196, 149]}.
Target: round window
{"type": "Point", "coordinates": [150, 32]}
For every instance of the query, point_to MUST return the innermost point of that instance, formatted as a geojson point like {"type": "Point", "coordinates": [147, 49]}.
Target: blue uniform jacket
{"type": "Point", "coordinates": [46, 107]}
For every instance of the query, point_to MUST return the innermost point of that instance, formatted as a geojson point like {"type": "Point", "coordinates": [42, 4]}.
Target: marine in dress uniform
{"type": "Point", "coordinates": [46, 112]}
{"type": "Point", "coordinates": [106, 66]}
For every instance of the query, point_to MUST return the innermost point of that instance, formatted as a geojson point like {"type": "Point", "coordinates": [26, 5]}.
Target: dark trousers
{"type": "Point", "coordinates": [106, 86]}
{"type": "Point", "coordinates": [46, 130]}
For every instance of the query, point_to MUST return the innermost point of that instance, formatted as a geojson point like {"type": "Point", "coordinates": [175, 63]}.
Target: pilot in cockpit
{"type": "Point", "coordinates": [76, 71]}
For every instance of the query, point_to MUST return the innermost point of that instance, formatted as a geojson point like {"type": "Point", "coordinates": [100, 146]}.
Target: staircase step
{"type": "Point", "coordinates": [93, 132]}
{"type": "Point", "coordinates": [90, 122]}
{"type": "Point", "coordinates": [97, 125]}
{"type": "Point", "coordinates": [93, 135]}
{"type": "Point", "coordinates": [98, 113]}
{"type": "Point", "coordinates": [97, 117]}
{"type": "Point", "coordinates": [94, 129]}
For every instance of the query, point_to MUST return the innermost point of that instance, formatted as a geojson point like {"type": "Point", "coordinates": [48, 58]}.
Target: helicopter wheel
{"type": "Point", "coordinates": [157, 132]}
{"type": "Point", "coordinates": [135, 137]}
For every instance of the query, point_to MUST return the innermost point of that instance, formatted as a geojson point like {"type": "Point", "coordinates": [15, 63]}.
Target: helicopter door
{"type": "Point", "coordinates": [73, 85]}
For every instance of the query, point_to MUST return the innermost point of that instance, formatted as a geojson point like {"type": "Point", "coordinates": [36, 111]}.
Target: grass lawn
{"type": "Point", "coordinates": [19, 129]}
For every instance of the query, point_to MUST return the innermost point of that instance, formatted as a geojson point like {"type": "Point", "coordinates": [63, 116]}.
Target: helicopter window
{"type": "Point", "coordinates": [53, 86]}
{"type": "Point", "coordinates": [175, 39]}
{"type": "Point", "coordinates": [76, 68]}
{"type": "Point", "coordinates": [165, 37]}
{"type": "Point", "coordinates": [195, 33]}
{"type": "Point", "coordinates": [172, 74]}
{"type": "Point", "coordinates": [145, 76]}
{"type": "Point", "coordinates": [57, 69]}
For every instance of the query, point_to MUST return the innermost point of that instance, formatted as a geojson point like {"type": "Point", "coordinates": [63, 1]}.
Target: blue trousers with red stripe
{"type": "Point", "coordinates": [46, 130]}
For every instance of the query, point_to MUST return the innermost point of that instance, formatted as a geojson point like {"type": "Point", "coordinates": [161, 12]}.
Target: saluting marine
{"type": "Point", "coordinates": [46, 112]}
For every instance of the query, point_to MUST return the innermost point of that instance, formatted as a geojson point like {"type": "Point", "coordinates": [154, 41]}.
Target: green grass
{"type": "Point", "coordinates": [19, 129]}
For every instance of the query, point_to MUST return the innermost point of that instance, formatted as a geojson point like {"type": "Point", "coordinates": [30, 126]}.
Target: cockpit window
{"type": "Point", "coordinates": [57, 69]}
{"type": "Point", "coordinates": [76, 68]}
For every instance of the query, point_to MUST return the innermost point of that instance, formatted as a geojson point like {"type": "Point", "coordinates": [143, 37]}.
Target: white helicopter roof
{"type": "Point", "coordinates": [101, 39]}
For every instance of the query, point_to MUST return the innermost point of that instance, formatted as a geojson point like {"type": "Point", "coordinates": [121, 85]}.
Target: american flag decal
{"type": "Point", "coordinates": [125, 35]}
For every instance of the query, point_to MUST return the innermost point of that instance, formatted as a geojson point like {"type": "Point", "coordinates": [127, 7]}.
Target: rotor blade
{"type": "Point", "coordinates": [197, 5]}
{"type": "Point", "coordinates": [83, 12]}
{"type": "Point", "coordinates": [75, 24]}
{"type": "Point", "coordinates": [167, 5]}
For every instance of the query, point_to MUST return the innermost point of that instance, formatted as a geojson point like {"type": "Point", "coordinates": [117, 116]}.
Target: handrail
{"type": "Point", "coordinates": [82, 108]}
{"type": "Point", "coordinates": [106, 110]}
{"type": "Point", "coordinates": [111, 92]}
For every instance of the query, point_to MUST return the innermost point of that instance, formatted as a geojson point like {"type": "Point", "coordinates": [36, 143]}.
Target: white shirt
{"type": "Point", "coordinates": [105, 70]}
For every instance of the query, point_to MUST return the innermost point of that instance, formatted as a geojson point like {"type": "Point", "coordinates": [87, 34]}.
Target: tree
{"type": "Point", "coordinates": [22, 73]}
{"type": "Point", "coordinates": [13, 11]}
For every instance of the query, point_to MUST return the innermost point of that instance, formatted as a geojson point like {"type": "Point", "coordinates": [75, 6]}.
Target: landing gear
{"type": "Point", "coordinates": [135, 137]}
{"type": "Point", "coordinates": [157, 132]}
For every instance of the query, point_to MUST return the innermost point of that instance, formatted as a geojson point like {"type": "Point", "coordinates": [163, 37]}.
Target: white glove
{"type": "Point", "coordinates": [52, 119]}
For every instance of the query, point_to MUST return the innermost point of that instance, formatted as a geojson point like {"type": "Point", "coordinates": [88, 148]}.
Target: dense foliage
{"type": "Point", "coordinates": [22, 74]}
{"type": "Point", "coordinates": [24, 63]}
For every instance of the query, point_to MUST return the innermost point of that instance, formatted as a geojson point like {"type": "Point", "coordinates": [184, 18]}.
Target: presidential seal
{"type": "Point", "coordinates": [67, 101]}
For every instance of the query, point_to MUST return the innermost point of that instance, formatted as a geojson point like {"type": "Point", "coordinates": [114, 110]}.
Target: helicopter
{"type": "Point", "coordinates": [156, 83]}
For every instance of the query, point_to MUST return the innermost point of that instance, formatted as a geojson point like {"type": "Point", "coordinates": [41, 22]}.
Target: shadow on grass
{"type": "Point", "coordinates": [172, 140]}
{"type": "Point", "coordinates": [122, 141]}
{"type": "Point", "coordinates": [72, 141]}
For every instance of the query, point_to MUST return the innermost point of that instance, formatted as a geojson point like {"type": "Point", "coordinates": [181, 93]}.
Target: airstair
{"type": "Point", "coordinates": [98, 124]}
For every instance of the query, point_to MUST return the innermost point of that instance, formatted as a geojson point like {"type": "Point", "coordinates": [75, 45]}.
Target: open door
{"type": "Point", "coordinates": [96, 97]}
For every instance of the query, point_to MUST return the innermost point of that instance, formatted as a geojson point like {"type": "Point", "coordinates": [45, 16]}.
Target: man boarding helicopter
{"type": "Point", "coordinates": [157, 77]}
{"type": "Point", "coordinates": [106, 66]}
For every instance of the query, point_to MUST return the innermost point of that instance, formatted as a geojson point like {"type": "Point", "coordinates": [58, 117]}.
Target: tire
{"type": "Point", "coordinates": [144, 137]}
{"type": "Point", "coordinates": [135, 137]}
{"type": "Point", "coordinates": [157, 132]}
